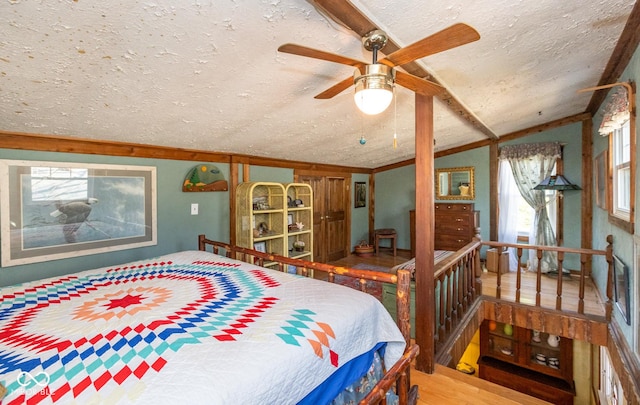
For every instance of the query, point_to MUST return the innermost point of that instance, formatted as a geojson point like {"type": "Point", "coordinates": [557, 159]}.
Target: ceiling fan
{"type": "Point", "coordinates": [374, 82]}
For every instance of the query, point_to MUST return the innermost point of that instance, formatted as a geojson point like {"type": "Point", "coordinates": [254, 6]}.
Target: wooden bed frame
{"type": "Point", "coordinates": [399, 374]}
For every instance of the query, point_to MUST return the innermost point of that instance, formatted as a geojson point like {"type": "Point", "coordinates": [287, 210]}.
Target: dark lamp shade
{"type": "Point", "coordinates": [558, 183]}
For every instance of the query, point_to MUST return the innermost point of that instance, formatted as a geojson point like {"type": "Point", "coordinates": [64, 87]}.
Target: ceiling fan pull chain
{"type": "Point", "coordinates": [395, 122]}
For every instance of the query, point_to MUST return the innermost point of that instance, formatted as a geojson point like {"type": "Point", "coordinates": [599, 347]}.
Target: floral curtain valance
{"type": "Point", "coordinates": [530, 150]}
{"type": "Point", "coordinates": [616, 112]}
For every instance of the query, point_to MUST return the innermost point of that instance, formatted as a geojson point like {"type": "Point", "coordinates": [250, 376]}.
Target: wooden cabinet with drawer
{"type": "Point", "coordinates": [455, 225]}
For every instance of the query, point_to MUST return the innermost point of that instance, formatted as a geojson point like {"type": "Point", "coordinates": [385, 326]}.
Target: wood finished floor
{"type": "Point", "coordinates": [450, 387]}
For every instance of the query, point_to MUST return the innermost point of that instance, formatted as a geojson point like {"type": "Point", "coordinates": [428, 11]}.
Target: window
{"type": "Point", "coordinates": [621, 172]}
{"type": "Point", "coordinates": [622, 151]}
{"type": "Point", "coordinates": [525, 214]}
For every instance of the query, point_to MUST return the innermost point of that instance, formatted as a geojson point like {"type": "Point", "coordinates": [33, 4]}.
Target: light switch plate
{"type": "Point", "coordinates": [194, 209]}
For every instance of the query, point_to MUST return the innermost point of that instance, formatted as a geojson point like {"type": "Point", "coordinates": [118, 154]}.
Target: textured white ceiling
{"type": "Point", "coordinates": [207, 74]}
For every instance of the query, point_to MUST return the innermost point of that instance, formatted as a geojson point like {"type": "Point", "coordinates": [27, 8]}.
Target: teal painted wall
{"type": "Point", "coordinates": [396, 193]}
{"type": "Point", "coordinates": [479, 159]}
{"type": "Point", "coordinates": [622, 241]}
{"type": "Point", "coordinates": [395, 189]}
{"type": "Point", "coordinates": [177, 228]}
{"type": "Point", "coordinates": [359, 216]}
{"type": "Point", "coordinates": [271, 174]}
{"type": "Point", "coordinates": [395, 196]}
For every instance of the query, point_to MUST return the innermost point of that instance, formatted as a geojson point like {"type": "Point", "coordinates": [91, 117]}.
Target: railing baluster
{"type": "Point", "coordinates": [519, 275]}
{"type": "Point", "coordinates": [455, 285]}
{"type": "Point", "coordinates": [583, 266]}
{"type": "Point", "coordinates": [443, 309]}
{"type": "Point", "coordinates": [538, 277]}
{"type": "Point", "coordinates": [559, 286]}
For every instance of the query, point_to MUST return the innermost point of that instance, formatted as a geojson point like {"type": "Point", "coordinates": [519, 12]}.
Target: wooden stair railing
{"type": "Point", "coordinates": [585, 256]}
{"type": "Point", "coordinates": [457, 285]}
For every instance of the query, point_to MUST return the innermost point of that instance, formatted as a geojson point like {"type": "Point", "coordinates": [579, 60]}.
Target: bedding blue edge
{"type": "Point", "coordinates": [342, 378]}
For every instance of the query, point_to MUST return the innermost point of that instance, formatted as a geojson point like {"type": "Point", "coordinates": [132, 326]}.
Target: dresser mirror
{"type": "Point", "coordinates": [455, 183]}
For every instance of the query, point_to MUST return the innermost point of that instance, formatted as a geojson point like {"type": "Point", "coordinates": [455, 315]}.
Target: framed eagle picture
{"type": "Point", "coordinates": [55, 210]}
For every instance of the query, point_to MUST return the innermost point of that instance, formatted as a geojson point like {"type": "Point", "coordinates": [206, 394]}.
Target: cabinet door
{"type": "Point", "coordinates": [330, 225]}
{"type": "Point", "coordinates": [549, 354]}
{"type": "Point", "coordinates": [499, 341]}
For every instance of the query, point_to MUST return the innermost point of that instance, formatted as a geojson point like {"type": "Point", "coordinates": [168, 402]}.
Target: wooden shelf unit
{"type": "Point", "coordinates": [517, 360]}
{"type": "Point", "coordinates": [257, 204]}
{"type": "Point", "coordinates": [303, 214]}
{"type": "Point", "coordinates": [266, 206]}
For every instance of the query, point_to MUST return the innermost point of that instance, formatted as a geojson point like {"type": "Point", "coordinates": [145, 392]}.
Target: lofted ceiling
{"type": "Point", "coordinates": [206, 74]}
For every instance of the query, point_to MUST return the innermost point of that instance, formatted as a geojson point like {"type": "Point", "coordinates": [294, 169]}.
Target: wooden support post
{"type": "Point", "coordinates": [425, 228]}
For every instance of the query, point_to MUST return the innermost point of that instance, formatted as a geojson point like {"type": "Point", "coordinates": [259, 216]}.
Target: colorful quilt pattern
{"type": "Point", "coordinates": [185, 321]}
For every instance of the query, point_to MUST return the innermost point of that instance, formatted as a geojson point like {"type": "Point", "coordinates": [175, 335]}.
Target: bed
{"type": "Point", "coordinates": [201, 327]}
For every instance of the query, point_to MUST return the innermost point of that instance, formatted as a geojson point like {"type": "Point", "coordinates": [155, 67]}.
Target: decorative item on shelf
{"type": "Point", "coordinates": [492, 325]}
{"type": "Point", "coordinates": [290, 202]}
{"type": "Point", "coordinates": [299, 203]}
{"type": "Point", "coordinates": [536, 336]}
{"type": "Point", "coordinates": [541, 359]}
{"type": "Point", "coordinates": [553, 362]}
{"type": "Point", "coordinates": [553, 340]}
{"type": "Point", "coordinates": [260, 203]}
{"type": "Point", "coordinates": [263, 228]}
{"type": "Point", "coordinates": [464, 189]}
{"type": "Point", "coordinates": [508, 329]}
{"type": "Point", "coordinates": [205, 177]}
{"type": "Point", "coordinates": [364, 249]}
{"type": "Point", "coordinates": [298, 226]}
{"type": "Point", "coordinates": [506, 351]}
{"type": "Point", "coordinates": [299, 245]}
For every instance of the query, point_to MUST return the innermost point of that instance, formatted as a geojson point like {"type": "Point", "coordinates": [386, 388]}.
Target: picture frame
{"type": "Point", "coordinates": [360, 194]}
{"type": "Point", "coordinates": [621, 286]}
{"type": "Point", "coordinates": [601, 184]}
{"type": "Point", "coordinates": [57, 210]}
{"type": "Point", "coordinates": [289, 219]}
{"type": "Point", "coordinates": [260, 247]}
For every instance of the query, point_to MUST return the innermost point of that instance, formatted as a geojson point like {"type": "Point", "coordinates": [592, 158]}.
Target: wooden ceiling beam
{"type": "Point", "coordinates": [350, 17]}
{"type": "Point", "coordinates": [619, 60]}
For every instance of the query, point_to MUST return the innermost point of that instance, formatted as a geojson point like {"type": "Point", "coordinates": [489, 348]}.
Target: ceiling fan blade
{"type": "Point", "coordinates": [454, 36]}
{"type": "Point", "coordinates": [317, 54]}
{"type": "Point", "coordinates": [336, 89]}
{"type": "Point", "coordinates": [417, 84]}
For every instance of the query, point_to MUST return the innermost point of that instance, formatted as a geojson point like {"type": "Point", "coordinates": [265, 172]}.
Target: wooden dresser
{"type": "Point", "coordinates": [455, 226]}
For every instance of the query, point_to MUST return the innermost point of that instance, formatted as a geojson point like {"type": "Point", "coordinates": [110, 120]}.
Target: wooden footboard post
{"type": "Point", "coordinates": [201, 244]}
{"type": "Point", "coordinates": [403, 299]}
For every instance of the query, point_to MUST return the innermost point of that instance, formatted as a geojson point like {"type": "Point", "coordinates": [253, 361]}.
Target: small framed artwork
{"type": "Point", "coordinates": [360, 194]}
{"type": "Point", "coordinates": [621, 278]}
{"type": "Point", "coordinates": [601, 179]}
{"type": "Point", "coordinates": [260, 247]}
{"type": "Point", "coordinates": [290, 219]}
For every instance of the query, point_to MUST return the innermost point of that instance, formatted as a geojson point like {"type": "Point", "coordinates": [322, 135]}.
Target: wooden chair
{"type": "Point", "coordinates": [385, 233]}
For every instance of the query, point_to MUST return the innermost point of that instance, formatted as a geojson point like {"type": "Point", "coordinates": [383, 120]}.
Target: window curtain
{"type": "Point", "coordinates": [530, 164]}
{"type": "Point", "coordinates": [616, 112]}
{"type": "Point", "coordinates": [508, 202]}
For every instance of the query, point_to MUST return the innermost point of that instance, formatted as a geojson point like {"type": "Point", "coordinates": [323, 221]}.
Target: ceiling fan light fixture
{"type": "Point", "coordinates": [374, 89]}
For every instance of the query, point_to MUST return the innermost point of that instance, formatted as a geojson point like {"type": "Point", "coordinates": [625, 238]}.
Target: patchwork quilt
{"type": "Point", "coordinates": [190, 327]}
